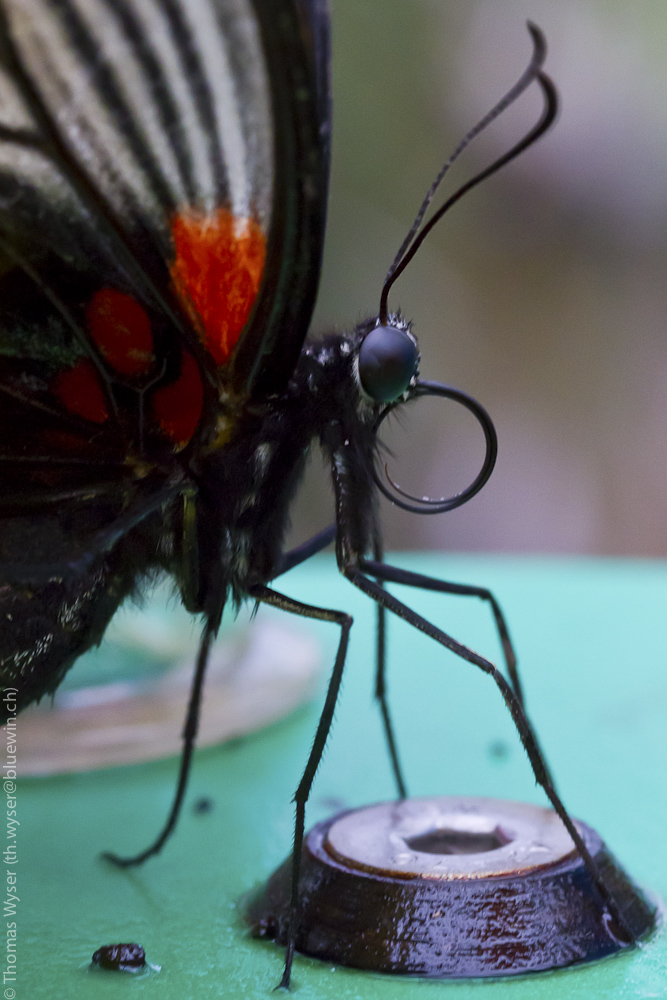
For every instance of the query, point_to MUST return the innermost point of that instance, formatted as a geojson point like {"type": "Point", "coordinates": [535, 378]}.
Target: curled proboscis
{"type": "Point", "coordinates": [432, 506]}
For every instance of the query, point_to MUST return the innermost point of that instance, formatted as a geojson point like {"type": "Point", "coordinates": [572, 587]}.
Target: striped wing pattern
{"type": "Point", "coordinates": [140, 106]}
{"type": "Point", "coordinates": [163, 170]}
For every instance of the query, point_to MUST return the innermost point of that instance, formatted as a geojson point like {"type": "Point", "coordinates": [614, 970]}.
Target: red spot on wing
{"type": "Point", "coordinates": [217, 272]}
{"type": "Point", "coordinates": [81, 393]}
{"type": "Point", "coordinates": [177, 407]}
{"type": "Point", "coordinates": [122, 331]}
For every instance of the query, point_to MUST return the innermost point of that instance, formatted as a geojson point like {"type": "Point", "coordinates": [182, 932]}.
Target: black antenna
{"type": "Point", "coordinates": [533, 72]}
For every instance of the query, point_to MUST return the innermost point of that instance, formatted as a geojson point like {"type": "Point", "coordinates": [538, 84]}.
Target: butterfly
{"type": "Point", "coordinates": [163, 182]}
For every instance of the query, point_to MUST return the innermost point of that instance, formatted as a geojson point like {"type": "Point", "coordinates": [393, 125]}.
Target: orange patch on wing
{"type": "Point", "coordinates": [217, 272]}
{"type": "Point", "coordinates": [121, 329]}
{"type": "Point", "coordinates": [81, 393]}
{"type": "Point", "coordinates": [177, 407]}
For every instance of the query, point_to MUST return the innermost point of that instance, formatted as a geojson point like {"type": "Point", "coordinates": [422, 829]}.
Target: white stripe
{"type": "Point", "coordinates": [191, 132]}
{"type": "Point", "coordinates": [133, 86]}
{"type": "Point", "coordinates": [256, 100]}
{"type": "Point", "coordinates": [213, 52]}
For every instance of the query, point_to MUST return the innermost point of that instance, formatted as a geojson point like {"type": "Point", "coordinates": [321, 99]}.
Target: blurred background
{"type": "Point", "coordinates": [542, 293]}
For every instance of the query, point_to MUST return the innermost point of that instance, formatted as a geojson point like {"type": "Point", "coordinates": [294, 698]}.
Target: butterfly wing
{"type": "Point", "coordinates": [299, 65]}
{"type": "Point", "coordinates": [129, 127]}
{"type": "Point", "coordinates": [163, 172]}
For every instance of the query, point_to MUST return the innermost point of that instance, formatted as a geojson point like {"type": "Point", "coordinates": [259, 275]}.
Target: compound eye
{"type": "Point", "coordinates": [388, 360]}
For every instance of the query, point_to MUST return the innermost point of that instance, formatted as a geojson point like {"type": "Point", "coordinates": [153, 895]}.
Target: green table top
{"type": "Point", "coordinates": [592, 646]}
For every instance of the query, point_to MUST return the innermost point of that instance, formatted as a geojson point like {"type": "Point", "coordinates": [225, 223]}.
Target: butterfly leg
{"type": "Point", "coordinates": [267, 596]}
{"type": "Point", "coordinates": [355, 574]}
{"type": "Point", "coordinates": [394, 574]}
{"type": "Point", "coordinates": [189, 737]}
{"type": "Point", "coordinates": [192, 718]}
{"type": "Point", "coordinates": [310, 548]}
{"type": "Point", "coordinates": [189, 593]}
{"type": "Point", "coordinates": [303, 552]}
{"type": "Point", "coordinates": [381, 682]}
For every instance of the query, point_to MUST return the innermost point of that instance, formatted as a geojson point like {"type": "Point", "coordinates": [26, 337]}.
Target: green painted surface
{"type": "Point", "coordinates": [592, 646]}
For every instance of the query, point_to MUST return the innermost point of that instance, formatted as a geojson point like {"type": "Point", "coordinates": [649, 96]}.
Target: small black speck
{"type": "Point", "coordinates": [202, 806]}
{"type": "Point", "coordinates": [498, 750]}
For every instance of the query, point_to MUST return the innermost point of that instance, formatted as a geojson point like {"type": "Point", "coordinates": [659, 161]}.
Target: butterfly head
{"type": "Point", "coordinates": [387, 360]}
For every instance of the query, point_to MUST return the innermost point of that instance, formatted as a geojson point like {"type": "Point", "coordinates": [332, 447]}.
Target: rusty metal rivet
{"type": "Point", "coordinates": [449, 888]}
